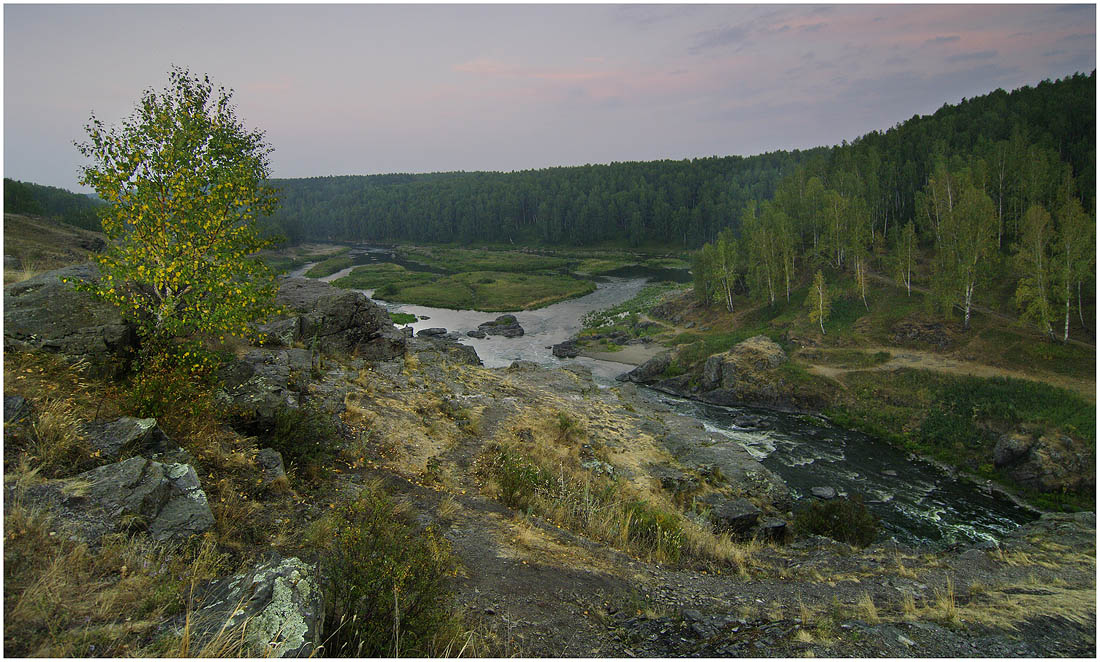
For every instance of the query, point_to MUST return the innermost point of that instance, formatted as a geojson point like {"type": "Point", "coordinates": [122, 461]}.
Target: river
{"type": "Point", "coordinates": [915, 502]}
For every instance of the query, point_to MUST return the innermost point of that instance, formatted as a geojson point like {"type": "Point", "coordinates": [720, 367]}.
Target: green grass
{"type": "Point", "coordinates": [329, 266]}
{"type": "Point", "coordinates": [402, 318]}
{"type": "Point", "coordinates": [642, 302]}
{"type": "Point", "coordinates": [491, 291]}
{"type": "Point", "coordinates": [458, 260]}
{"type": "Point", "coordinates": [957, 419]}
{"type": "Point", "coordinates": [378, 276]}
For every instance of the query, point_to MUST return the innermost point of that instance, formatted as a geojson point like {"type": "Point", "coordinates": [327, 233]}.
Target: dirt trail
{"type": "Point", "coordinates": [914, 358]}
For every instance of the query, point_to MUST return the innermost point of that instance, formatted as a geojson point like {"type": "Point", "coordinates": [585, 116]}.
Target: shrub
{"type": "Point", "coordinates": [303, 435]}
{"type": "Point", "coordinates": [388, 587]}
{"type": "Point", "coordinates": [846, 520]}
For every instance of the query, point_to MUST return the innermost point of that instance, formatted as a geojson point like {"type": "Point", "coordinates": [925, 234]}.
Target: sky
{"type": "Point", "coordinates": [367, 89]}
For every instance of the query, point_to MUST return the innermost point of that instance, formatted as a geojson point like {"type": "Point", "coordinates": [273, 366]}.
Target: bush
{"type": "Point", "coordinates": [846, 520]}
{"type": "Point", "coordinates": [303, 435]}
{"type": "Point", "coordinates": [388, 589]}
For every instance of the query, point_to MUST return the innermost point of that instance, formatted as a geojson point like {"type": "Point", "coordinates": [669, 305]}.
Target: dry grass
{"type": "Point", "coordinates": [867, 609]}
{"type": "Point", "coordinates": [62, 599]}
{"type": "Point", "coordinates": [56, 443]}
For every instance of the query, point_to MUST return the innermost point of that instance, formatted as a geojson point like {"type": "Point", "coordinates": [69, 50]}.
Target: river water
{"type": "Point", "coordinates": [915, 502]}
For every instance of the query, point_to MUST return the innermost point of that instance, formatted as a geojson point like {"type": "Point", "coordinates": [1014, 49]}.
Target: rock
{"type": "Point", "coordinates": [689, 325]}
{"type": "Point", "coordinates": [672, 479]}
{"type": "Point", "coordinates": [523, 366]}
{"type": "Point", "coordinates": [441, 348]}
{"type": "Point", "coordinates": [431, 332]}
{"type": "Point", "coordinates": [264, 381]}
{"type": "Point", "coordinates": [272, 469]}
{"type": "Point", "coordinates": [648, 371]}
{"type": "Point", "coordinates": [408, 331]}
{"type": "Point", "coordinates": [1011, 447]}
{"type": "Point", "coordinates": [335, 320]}
{"type": "Point", "coordinates": [164, 499]}
{"type": "Point", "coordinates": [44, 313]}
{"type": "Point", "coordinates": [16, 408]}
{"type": "Point", "coordinates": [823, 492]}
{"type": "Point", "coordinates": [566, 350]}
{"type": "Point", "coordinates": [279, 605]}
{"type": "Point", "coordinates": [129, 436]}
{"type": "Point", "coordinates": [505, 325]}
{"type": "Point", "coordinates": [738, 515]}
{"type": "Point", "coordinates": [1052, 463]}
{"type": "Point", "coordinates": [476, 333]}
{"type": "Point", "coordinates": [773, 528]}
{"type": "Point", "coordinates": [745, 374]}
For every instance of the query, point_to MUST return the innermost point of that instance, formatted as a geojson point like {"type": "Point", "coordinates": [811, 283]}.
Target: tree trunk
{"type": "Point", "coordinates": [1080, 310]}
{"type": "Point", "coordinates": [966, 314]}
{"type": "Point", "coordinates": [821, 310]}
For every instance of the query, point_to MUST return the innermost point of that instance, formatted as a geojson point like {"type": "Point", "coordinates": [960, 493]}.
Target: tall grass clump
{"type": "Point", "coordinates": [388, 583]}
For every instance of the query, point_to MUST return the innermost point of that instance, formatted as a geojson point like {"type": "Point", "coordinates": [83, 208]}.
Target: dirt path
{"type": "Point", "coordinates": [913, 358]}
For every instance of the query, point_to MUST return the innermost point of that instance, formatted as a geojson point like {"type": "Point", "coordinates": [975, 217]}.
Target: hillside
{"type": "Point", "coordinates": [686, 203]}
{"type": "Point", "coordinates": [33, 244]}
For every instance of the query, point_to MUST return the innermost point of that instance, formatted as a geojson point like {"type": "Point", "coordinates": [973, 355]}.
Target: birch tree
{"type": "Point", "coordinates": [903, 257]}
{"type": "Point", "coordinates": [966, 242]}
{"type": "Point", "coordinates": [1034, 290]}
{"type": "Point", "coordinates": [817, 301]}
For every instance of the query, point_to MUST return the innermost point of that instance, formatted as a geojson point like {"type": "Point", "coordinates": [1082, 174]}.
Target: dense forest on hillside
{"type": "Point", "coordinates": [50, 201]}
{"type": "Point", "coordinates": [1017, 143]}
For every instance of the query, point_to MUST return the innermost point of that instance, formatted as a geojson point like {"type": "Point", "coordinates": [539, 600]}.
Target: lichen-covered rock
{"type": "Point", "coordinates": [130, 436]}
{"type": "Point", "coordinates": [566, 350]}
{"type": "Point", "coordinates": [164, 499]}
{"type": "Point", "coordinates": [276, 607]}
{"type": "Point", "coordinates": [334, 320]}
{"type": "Point", "coordinates": [264, 381]}
{"type": "Point", "coordinates": [443, 348]}
{"type": "Point", "coordinates": [45, 313]}
{"type": "Point", "coordinates": [431, 332]}
{"type": "Point", "coordinates": [1048, 462]}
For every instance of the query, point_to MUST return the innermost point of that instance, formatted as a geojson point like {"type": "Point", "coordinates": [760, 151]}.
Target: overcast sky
{"type": "Point", "coordinates": [363, 89]}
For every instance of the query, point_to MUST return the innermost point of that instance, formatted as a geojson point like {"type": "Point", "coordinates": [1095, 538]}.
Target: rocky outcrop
{"type": "Point", "coordinates": [333, 320]}
{"type": "Point", "coordinates": [16, 408]}
{"type": "Point", "coordinates": [443, 348]}
{"type": "Point", "coordinates": [276, 608]}
{"type": "Point", "coordinates": [745, 367]}
{"type": "Point", "coordinates": [909, 332]}
{"type": "Point", "coordinates": [128, 436]}
{"type": "Point", "coordinates": [505, 325]}
{"type": "Point", "coordinates": [272, 469]}
{"type": "Point", "coordinates": [1046, 462]}
{"type": "Point", "coordinates": [264, 381]}
{"type": "Point", "coordinates": [738, 515]}
{"type": "Point", "coordinates": [649, 371]}
{"type": "Point", "coordinates": [164, 499]}
{"type": "Point", "coordinates": [431, 332]}
{"type": "Point", "coordinates": [566, 350]}
{"type": "Point", "coordinates": [45, 313]}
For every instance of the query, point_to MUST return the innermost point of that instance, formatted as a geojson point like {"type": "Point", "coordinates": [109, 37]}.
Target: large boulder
{"type": "Point", "coordinates": [276, 609]}
{"type": "Point", "coordinates": [566, 350]}
{"type": "Point", "coordinates": [648, 371]}
{"type": "Point", "coordinates": [164, 499]}
{"type": "Point", "coordinates": [334, 320]}
{"type": "Point", "coordinates": [1046, 462]}
{"type": "Point", "coordinates": [264, 381]}
{"type": "Point", "coordinates": [505, 325]}
{"type": "Point", "coordinates": [45, 313]}
{"type": "Point", "coordinates": [737, 515]}
{"type": "Point", "coordinates": [745, 374]}
{"type": "Point", "coordinates": [126, 436]}
{"type": "Point", "coordinates": [440, 348]}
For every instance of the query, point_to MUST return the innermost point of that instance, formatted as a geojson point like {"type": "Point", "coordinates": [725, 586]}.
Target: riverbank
{"type": "Point", "coordinates": [921, 385]}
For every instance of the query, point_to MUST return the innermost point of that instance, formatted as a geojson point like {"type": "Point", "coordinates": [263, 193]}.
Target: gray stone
{"type": "Point", "coordinates": [648, 371]}
{"type": "Point", "coordinates": [16, 408]}
{"type": "Point", "coordinates": [264, 381]}
{"type": "Point", "coordinates": [334, 320]}
{"type": "Point", "coordinates": [439, 348]}
{"type": "Point", "coordinates": [277, 608]}
{"type": "Point", "coordinates": [433, 331]}
{"type": "Point", "coordinates": [505, 325]}
{"type": "Point", "coordinates": [773, 528]}
{"type": "Point", "coordinates": [127, 436]}
{"type": "Point", "coordinates": [476, 333]}
{"type": "Point", "coordinates": [45, 313]}
{"type": "Point", "coordinates": [823, 492]}
{"type": "Point", "coordinates": [1011, 447]}
{"type": "Point", "coordinates": [566, 350]}
{"type": "Point", "coordinates": [164, 499]}
{"type": "Point", "coordinates": [271, 466]}
{"type": "Point", "coordinates": [738, 515]}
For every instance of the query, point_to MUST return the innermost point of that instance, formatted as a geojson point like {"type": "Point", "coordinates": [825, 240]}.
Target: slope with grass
{"type": "Point", "coordinates": [33, 244]}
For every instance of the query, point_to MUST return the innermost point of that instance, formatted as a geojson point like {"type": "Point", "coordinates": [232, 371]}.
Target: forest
{"type": "Point", "coordinates": [56, 203]}
{"type": "Point", "coordinates": [1015, 146]}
